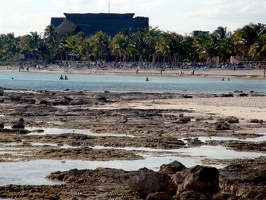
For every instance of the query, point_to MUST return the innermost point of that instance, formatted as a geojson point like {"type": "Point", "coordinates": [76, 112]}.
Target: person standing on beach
{"type": "Point", "coordinates": [137, 70]}
{"type": "Point", "coordinates": [20, 66]}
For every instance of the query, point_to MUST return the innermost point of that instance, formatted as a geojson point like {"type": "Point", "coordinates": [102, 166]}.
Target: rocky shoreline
{"type": "Point", "coordinates": [158, 121]}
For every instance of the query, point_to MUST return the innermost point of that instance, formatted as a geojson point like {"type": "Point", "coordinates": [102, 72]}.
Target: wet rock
{"type": "Point", "coordinates": [179, 177]}
{"type": "Point", "coordinates": [223, 196]}
{"type": "Point", "coordinates": [102, 99]}
{"type": "Point", "coordinates": [1, 91]}
{"type": "Point", "coordinates": [222, 125]}
{"type": "Point", "coordinates": [227, 95]}
{"type": "Point", "coordinates": [68, 98]}
{"type": "Point", "coordinates": [243, 94]}
{"type": "Point", "coordinates": [184, 120]}
{"type": "Point", "coordinates": [187, 96]}
{"type": "Point", "coordinates": [245, 178]}
{"type": "Point", "coordinates": [232, 119]}
{"type": "Point", "coordinates": [159, 196]}
{"type": "Point", "coordinates": [44, 102]}
{"type": "Point", "coordinates": [148, 181]}
{"type": "Point", "coordinates": [256, 121]}
{"type": "Point", "coordinates": [192, 195]}
{"type": "Point", "coordinates": [2, 125]}
{"type": "Point", "coordinates": [172, 168]}
{"type": "Point", "coordinates": [202, 179]}
{"type": "Point", "coordinates": [19, 124]}
{"type": "Point", "coordinates": [194, 141]}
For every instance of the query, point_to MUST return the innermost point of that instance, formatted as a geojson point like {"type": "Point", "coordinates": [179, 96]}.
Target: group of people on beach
{"type": "Point", "coordinates": [63, 78]}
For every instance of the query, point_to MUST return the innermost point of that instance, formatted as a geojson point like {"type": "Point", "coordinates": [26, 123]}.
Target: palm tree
{"type": "Point", "coordinates": [63, 45]}
{"type": "Point", "coordinates": [120, 44]}
{"type": "Point", "coordinates": [152, 36]}
{"type": "Point", "coordinates": [227, 49]}
{"type": "Point", "coordinates": [258, 49]}
{"type": "Point", "coordinates": [8, 46]}
{"type": "Point", "coordinates": [190, 53]}
{"type": "Point", "coordinates": [140, 44]}
{"type": "Point", "coordinates": [50, 38]}
{"type": "Point", "coordinates": [100, 42]}
{"type": "Point", "coordinates": [246, 37]}
{"type": "Point", "coordinates": [221, 33]}
{"type": "Point", "coordinates": [162, 48]}
{"type": "Point", "coordinates": [175, 43]}
{"type": "Point", "coordinates": [87, 49]}
{"type": "Point", "coordinates": [23, 45]}
{"type": "Point", "coordinates": [34, 41]}
{"type": "Point", "coordinates": [207, 46]}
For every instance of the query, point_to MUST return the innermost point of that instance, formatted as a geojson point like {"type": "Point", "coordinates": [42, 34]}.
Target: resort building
{"type": "Point", "coordinates": [90, 23]}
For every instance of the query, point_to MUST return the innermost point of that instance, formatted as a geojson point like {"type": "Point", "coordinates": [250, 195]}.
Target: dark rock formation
{"type": "Point", "coordinates": [172, 168]}
{"type": "Point", "coordinates": [202, 179]}
{"type": "Point", "coordinates": [222, 125]}
{"type": "Point", "coordinates": [1, 91]}
{"type": "Point", "coordinates": [19, 124]}
{"type": "Point", "coordinates": [232, 119]}
{"type": "Point", "coordinates": [148, 181]}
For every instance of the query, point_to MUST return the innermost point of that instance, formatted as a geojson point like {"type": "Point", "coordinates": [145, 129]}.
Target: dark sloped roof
{"type": "Point", "coordinates": [110, 23]}
{"type": "Point", "coordinates": [56, 21]}
{"type": "Point", "coordinates": [64, 27]}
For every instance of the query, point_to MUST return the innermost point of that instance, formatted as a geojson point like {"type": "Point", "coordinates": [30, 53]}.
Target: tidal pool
{"type": "Point", "coordinates": [34, 172]}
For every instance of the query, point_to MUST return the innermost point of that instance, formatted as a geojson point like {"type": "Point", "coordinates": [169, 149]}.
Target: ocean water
{"type": "Point", "coordinates": [128, 83]}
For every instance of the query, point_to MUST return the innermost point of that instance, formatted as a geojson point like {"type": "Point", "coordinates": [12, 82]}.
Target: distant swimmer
{"type": "Point", "coordinates": [147, 79]}
{"type": "Point", "coordinates": [223, 79]}
{"type": "Point", "coordinates": [61, 77]}
{"type": "Point", "coordinates": [66, 78]}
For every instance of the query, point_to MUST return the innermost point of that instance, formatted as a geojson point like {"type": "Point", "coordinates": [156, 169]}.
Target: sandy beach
{"type": "Point", "coordinates": [254, 73]}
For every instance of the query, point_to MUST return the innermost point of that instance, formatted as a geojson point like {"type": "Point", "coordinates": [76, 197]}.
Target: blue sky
{"type": "Point", "coordinates": [180, 16]}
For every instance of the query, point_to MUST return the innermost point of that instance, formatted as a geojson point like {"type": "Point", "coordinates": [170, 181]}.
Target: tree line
{"type": "Point", "coordinates": [146, 45]}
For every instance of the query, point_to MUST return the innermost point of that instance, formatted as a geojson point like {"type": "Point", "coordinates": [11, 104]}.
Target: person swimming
{"type": "Point", "coordinates": [61, 77]}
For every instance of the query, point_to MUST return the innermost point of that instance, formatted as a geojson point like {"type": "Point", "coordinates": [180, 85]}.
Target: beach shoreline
{"type": "Point", "coordinates": [226, 73]}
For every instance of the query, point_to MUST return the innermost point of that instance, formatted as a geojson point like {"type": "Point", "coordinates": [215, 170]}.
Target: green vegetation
{"type": "Point", "coordinates": [147, 45]}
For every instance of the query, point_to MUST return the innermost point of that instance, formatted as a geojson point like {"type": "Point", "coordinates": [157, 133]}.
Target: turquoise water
{"type": "Point", "coordinates": [126, 83]}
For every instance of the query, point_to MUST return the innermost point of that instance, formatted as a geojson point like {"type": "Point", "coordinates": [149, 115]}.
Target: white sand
{"type": "Point", "coordinates": [245, 108]}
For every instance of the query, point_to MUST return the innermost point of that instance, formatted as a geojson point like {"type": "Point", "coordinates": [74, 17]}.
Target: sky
{"type": "Point", "coordinates": [180, 16]}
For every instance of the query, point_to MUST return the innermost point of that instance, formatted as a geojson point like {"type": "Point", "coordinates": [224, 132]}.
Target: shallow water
{"type": "Point", "coordinates": [34, 172]}
{"type": "Point", "coordinates": [253, 139]}
{"type": "Point", "coordinates": [34, 131]}
{"type": "Point", "coordinates": [126, 83]}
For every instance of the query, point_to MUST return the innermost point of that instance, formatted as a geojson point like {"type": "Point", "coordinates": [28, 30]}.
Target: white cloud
{"type": "Point", "coordinates": [172, 15]}
{"type": "Point", "coordinates": [253, 8]}
{"type": "Point", "coordinates": [151, 5]}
